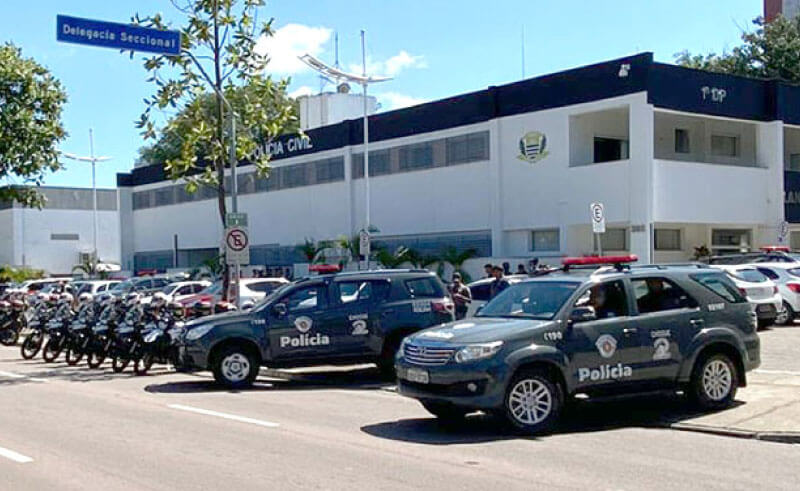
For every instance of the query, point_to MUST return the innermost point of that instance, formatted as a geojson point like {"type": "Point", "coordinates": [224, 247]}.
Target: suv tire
{"type": "Point", "coordinates": [714, 382]}
{"type": "Point", "coordinates": [533, 401]}
{"type": "Point", "coordinates": [235, 367]}
{"type": "Point", "coordinates": [785, 316]}
{"type": "Point", "coordinates": [446, 412]}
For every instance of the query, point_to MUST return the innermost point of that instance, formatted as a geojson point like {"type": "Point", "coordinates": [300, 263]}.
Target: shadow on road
{"type": "Point", "coordinates": [582, 416]}
{"type": "Point", "coordinates": [362, 378]}
{"type": "Point", "coordinates": [60, 370]}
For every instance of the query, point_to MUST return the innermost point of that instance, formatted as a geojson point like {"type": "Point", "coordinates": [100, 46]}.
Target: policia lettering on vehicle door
{"type": "Point", "coordinates": [625, 332]}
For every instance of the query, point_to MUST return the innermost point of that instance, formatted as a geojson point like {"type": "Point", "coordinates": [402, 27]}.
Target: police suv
{"type": "Point", "coordinates": [599, 332]}
{"type": "Point", "coordinates": [344, 318]}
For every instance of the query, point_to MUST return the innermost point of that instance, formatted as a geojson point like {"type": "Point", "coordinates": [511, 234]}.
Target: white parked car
{"type": "Point", "coordinates": [787, 277]}
{"type": "Point", "coordinates": [94, 287]}
{"type": "Point", "coordinates": [760, 291]}
{"type": "Point", "coordinates": [251, 290]}
{"type": "Point", "coordinates": [481, 291]}
{"type": "Point", "coordinates": [177, 291]}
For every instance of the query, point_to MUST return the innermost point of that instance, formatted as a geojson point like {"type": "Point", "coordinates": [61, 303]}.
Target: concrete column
{"type": "Point", "coordinates": [127, 229]}
{"type": "Point", "coordinates": [348, 179]}
{"type": "Point", "coordinates": [769, 155]}
{"type": "Point", "coordinates": [641, 178]}
{"type": "Point", "coordinates": [496, 188]}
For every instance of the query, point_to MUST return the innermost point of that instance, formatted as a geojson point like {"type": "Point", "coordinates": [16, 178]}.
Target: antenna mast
{"type": "Point", "coordinates": [522, 45]}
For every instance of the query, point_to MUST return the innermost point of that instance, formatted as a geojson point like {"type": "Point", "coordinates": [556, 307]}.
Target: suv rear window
{"type": "Point", "coordinates": [721, 285]}
{"type": "Point", "coordinates": [424, 287]}
{"type": "Point", "coordinates": [750, 275]}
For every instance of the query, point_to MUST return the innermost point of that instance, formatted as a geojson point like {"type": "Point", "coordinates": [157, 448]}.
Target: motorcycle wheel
{"type": "Point", "coordinates": [74, 356]}
{"type": "Point", "coordinates": [94, 360]}
{"type": "Point", "coordinates": [51, 350]}
{"type": "Point", "coordinates": [143, 365]}
{"type": "Point", "coordinates": [119, 364]}
{"type": "Point", "coordinates": [32, 345]}
{"type": "Point", "coordinates": [9, 337]}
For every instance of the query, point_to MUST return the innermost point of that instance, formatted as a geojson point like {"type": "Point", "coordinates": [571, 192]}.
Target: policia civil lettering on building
{"type": "Point", "coordinates": [601, 331]}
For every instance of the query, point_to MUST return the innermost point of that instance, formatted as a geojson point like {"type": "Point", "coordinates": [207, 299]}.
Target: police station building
{"type": "Point", "coordinates": [680, 159]}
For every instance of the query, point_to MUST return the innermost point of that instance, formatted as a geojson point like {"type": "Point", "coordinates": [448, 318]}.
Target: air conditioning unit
{"type": "Point", "coordinates": [84, 257]}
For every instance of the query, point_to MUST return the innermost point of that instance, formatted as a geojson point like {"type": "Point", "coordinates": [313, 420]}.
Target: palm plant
{"type": "Point", "coordinates": [86, 266]}
{"type": "Point", "coordinates": [419, 260]}
{"type": "Point", "coordinates": [456, 259]}
{"type": "Point", "coordinates": [389, 259]}
{"type": "Point", "coordinates": [214, 265]}
{"type": "Point", "coordinates": [310, 248]}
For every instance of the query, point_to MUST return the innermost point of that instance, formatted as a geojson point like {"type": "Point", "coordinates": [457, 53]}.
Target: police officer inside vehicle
{"type": "Point", "coordinates": [500, 283]}
{"type": "Point", "coordinates": [659, 297]}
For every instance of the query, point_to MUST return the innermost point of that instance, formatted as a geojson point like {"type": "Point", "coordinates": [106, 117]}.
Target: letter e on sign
{"type": "Point", "coordinates": [598, 215]}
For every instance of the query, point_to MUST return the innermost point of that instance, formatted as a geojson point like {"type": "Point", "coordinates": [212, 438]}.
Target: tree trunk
{"type": "Point", "coordinates": [220, 165]}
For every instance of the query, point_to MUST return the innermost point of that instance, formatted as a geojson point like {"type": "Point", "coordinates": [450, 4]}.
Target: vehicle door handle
{"type": "Point", "coordinates": [630, 330]}
{"type": "Point", "coordinates": [696, 322]}
{"type": "Point", "coordinates": [387, 312]}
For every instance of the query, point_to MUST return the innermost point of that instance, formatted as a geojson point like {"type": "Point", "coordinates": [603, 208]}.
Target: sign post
{"type": "Point", "coordinates": [784, 232]}
{"type": "Point", "coordinates": [598, 215]}
{"type": "Point", "coordinates": [237, 247]}
{"type": "Point", "coordinates": [364, 245]}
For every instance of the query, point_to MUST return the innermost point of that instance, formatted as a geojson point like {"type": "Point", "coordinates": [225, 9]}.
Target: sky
{"type": "Point", "coordinates": [432, 49]}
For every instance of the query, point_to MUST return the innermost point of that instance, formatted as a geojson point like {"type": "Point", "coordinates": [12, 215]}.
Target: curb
{"type": "Point", "coordinates": [791, 437]}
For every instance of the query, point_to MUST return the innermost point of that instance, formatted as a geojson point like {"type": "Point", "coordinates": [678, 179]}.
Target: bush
{"type": "Point", "coordinates": [10, 274]}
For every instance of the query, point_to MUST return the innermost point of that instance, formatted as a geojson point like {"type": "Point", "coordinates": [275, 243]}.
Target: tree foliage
{"type": "Point", "coordinates": [771, 51]}
{"type": "Point", "coordinates": [31, 100]}
{"type": "Point", "coordinates": [218, 48]}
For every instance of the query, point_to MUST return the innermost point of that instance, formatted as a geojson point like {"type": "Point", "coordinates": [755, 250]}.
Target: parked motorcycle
{"type": "Point", "coordinates": [12, 320]}
{"type": "Point", "coordinates": [104, 331]}
{"type": "Point", "coordinates": [80, 330]}
{"type": "Point", "coordinates": [160, 335]}
{"type": "Point", "coordinates": [39, 315]}
{"type": "Point", "coordinates": [58, 329]}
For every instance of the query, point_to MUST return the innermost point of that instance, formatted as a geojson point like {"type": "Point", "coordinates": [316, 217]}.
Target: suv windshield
{"type": "Point", "coordinates": [750, 275]}
{"type": "Point", "coordinates": [530, 299]}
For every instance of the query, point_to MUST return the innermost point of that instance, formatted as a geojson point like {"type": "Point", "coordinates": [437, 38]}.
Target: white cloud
{"type": "Point", "coordinates": [396, 100]}
{"type": "Point", "coordinates": [289, 42]}
{"type": "Point", "coordinates": [392, 66]}
{"type": "Point", "coordinates": [303, 90]}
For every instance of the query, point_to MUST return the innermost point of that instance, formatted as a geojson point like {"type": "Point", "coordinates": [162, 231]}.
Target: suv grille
{"type": "Point", "coordinates": [426, 355]}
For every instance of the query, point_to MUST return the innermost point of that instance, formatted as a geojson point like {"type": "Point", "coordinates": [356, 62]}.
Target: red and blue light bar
{"type": "Point", "coordinates": [599, 260]}
{"type": "Point", "coordinates": [776, 248]}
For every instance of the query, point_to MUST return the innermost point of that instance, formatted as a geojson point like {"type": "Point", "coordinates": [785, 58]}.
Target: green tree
{"type": "Point", "coordinates": [31, 100]}
{"type": "Point", "coordinates": [456, 259]}
{"type": "Point", "coordinates": [218, 56]}
{"type": "Point", "coordinates": [771, 51]}
{"type": "Point", "coordinates": [419, 260]}
{"type": "Point", "coordinates": [391, 259]}
{"type": "Point", "coordinates": [310, 248]}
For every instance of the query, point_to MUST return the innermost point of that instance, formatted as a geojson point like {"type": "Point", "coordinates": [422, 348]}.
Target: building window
{"type": "Point", "coordinates": [294, 176]}
{"type": "Point", "coordinates": [379, 164]}
{"type": "Point", "coordinates": [165, 196]}
{"type": "Point", "coordinates": [725, 145]}
{"type": "Point", "coordinates": [794, 162]}
{"type": "Point", "coordinates": [730, 241]}
{"type": "Point", "coordinates": [468, 148]}
{"type": "Point", "coordinates": [614, 239]}
{"type": "Point", "coordinates": [329, 170]}
{"type": "Point", "coordinates": [682, 141]}
{"type": "Point", "coordinates": [142, 200]}
{"type": "Point", "coordinates": [668, 239]}
{"type": "Point", "coordinates": [418, 156]}
{"type": "Point", "coordinates": [545, 240]}
{"type": "Point", "coordinates": [609, 149]}
{"type": "Point", "coordinates": [270, 183]}
{"type": "Point", "coordinates": [64, 237]}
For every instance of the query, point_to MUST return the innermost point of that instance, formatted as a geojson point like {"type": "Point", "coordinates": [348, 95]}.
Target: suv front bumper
{"type": "Point", "coordinates": [191, 359]}
{"type": "Point", "coordinates": [478, 385]}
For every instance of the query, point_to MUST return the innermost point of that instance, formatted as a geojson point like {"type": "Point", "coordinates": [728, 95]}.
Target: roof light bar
{"type": "Point", "coordinates": [776, 248]}
{"type": "Point", "coordinates": [599, 260]}
{"type": "Point", "coordinates": [325, 268]}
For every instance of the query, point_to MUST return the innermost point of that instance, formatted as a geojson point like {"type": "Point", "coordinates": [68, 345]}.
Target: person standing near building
{"type": "Point", "coordinates": [462, 296]}
{"type": "Point", "coordinates": [487, 268]}
{"type": "Point", "coordinates": [500, 282]}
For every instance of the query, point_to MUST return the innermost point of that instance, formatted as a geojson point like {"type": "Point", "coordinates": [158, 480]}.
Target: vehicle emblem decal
{"type": "Point", "coordinates": [606, 345]}
{"type": "Point", "coordinates": [661, 346]}
{"type": "Point", "coordinates": [303, 324]}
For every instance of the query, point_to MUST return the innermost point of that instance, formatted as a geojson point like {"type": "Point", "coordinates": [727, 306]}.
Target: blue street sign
{"type": "Point", "coordinates": [116, 35]}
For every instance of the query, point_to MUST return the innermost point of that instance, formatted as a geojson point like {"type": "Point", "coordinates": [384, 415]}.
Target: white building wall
{"type": "Point", "coordinates": [7, 237]}
{"type": "Point", "coordinates": [35, 247]}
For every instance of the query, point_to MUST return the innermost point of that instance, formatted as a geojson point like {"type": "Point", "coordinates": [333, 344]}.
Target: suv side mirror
{"type": "Point", "coordinates": [280, 310]}
{"type": "Point", "coordinates": [582, 314]}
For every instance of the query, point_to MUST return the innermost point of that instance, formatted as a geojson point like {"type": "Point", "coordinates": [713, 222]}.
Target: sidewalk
{"type": "Point", "coordinates": [767, 409]}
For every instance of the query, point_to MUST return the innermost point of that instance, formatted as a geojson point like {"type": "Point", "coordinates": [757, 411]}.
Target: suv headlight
{"type": "Point", "coordinates": [198, 332]}
{"type": "Point", "coordinates": [477, 351]}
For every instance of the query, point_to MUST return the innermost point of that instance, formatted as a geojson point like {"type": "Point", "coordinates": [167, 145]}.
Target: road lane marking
{"type": "Point", "coordinates": [16, 457]}
{"type": "Point", "coordinates": [19, 375]}
{"type": "Point", "coordinates": [776, 372]}
{"type": "Point", "coordinates": [231, 417]}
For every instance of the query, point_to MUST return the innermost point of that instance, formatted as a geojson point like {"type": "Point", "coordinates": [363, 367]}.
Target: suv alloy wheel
{"type": "Point", "coordinates": [235, 367]}
{"type": "Point", "coordinates": [533, 401]}
{"type": "Point", "coordinates": [714, 381]}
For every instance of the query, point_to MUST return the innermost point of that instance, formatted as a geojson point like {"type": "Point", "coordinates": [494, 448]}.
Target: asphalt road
{"type": "Point", "coordinates": [72, 428]}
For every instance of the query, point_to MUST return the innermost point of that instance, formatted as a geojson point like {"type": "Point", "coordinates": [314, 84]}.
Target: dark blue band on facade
{"type": "Point", "coordinates": [667, 86]}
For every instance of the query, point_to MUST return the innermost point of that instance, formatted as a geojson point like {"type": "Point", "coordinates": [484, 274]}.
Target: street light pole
{"type": "Point", "coordinates": [91, 158]}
